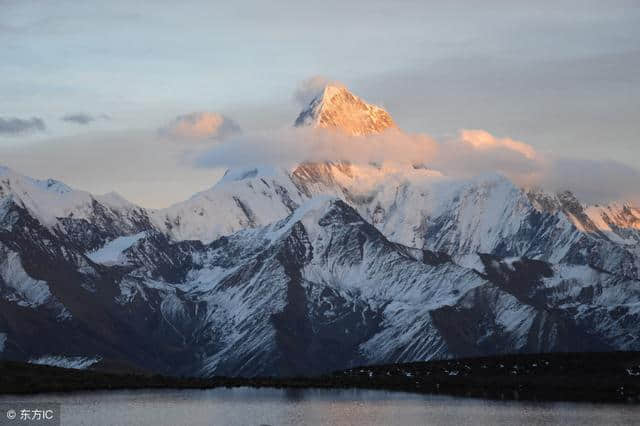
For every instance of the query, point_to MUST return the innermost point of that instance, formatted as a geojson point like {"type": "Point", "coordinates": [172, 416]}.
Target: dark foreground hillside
{"type": "Point", "coordinates": [611, 377]}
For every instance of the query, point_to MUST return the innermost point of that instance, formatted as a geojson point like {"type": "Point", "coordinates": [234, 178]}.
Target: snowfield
{"type": "Point", "coordinates": [112, 252]}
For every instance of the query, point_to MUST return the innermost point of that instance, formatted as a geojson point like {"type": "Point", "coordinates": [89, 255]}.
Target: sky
{"type": "Point", "coordinates": [116, 95]}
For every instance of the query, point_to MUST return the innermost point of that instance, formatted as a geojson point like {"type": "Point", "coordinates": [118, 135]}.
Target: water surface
{"type": "Point", "coordinates": [248, 406]}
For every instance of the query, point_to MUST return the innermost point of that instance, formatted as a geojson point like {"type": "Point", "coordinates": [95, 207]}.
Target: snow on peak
{"type": "Point", "coordinates": [54, 186]}
{"type": "Point", "coordinates": [45, 184]}
{"type": "Point", "coordinates": [113, 199]}
{"type": "Point", "coordinates": [618, 221]}
{"type": "Point", "coordinates": [50, 199]}
{"type": "Point", "coordinates": [339, 109]}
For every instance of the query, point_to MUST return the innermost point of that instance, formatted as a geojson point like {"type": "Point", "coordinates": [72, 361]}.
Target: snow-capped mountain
{"type": "Point", "coordinates": [319, 290]}
{"type": "Point", "coordinates": [412, 205]}
{"type": "Point", "coordinates": [316, 267]}
{"type": "Point", "coordinates": [338, 109]}
{"type": "Point", "coordinates": [421, 208]}
{"type": "Point", "coordinates": [255, 196]}
{"type": "Point", "coordinates": [87, 220]}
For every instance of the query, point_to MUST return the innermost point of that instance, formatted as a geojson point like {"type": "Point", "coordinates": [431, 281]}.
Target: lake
{"type": "Point", "coordinates": [248, 406]}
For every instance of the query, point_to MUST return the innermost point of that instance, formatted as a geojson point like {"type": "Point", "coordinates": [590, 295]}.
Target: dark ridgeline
{"type": "Point", "coordinates": [595, 377]}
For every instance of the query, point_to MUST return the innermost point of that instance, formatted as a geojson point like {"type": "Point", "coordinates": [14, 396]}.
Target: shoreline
{"type": "Point", "coordinates": [584, 377]}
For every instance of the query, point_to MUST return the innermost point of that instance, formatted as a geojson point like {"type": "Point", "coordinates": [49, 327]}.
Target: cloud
{"type": "Point", "coordinates": [459, 158]}
{"type": "Point", "coordinates": [592, 181]}
{"type": "Point", "coordinates": [471, 153]}
{"type": "Point", "coordinates": [311, 88]}
{"type": "Point", "coordinates": [127, 161]}
{"type": "Point", "coordinates": [82, 118]}
{"type": "Point", "coordinates": [554, 100]}
{"type": "Point", "coordinates": [198, 126]}
{"type": "Point", "coordinates": [482, 140]}
{"type": "Point", "coordinates": [19, 126]}
{"type": "Point", "coordinates": [293, 145]}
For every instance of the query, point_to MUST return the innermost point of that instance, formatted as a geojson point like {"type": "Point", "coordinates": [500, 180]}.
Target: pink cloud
{"type": "Point", "coordinates": [483, 140]}
{"type": "Point", "coordinates": [200, 126]}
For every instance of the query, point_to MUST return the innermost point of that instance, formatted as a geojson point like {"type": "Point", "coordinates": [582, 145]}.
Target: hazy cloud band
{"type": "Point", "coordinates": [19, 126]}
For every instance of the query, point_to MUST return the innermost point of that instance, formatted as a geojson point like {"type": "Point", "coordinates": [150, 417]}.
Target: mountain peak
{"type": "Point", "coordinates": [339, 109]}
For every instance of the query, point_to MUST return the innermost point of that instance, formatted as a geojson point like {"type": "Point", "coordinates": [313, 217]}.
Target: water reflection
{"type": "Point", "coordinates": [294, 394]}
{"type": "Point", "coordinates": [246, 406]}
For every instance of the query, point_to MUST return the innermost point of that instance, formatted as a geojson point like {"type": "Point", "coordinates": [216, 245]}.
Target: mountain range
{"type": "Point", "coordinates": [312, 268]}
